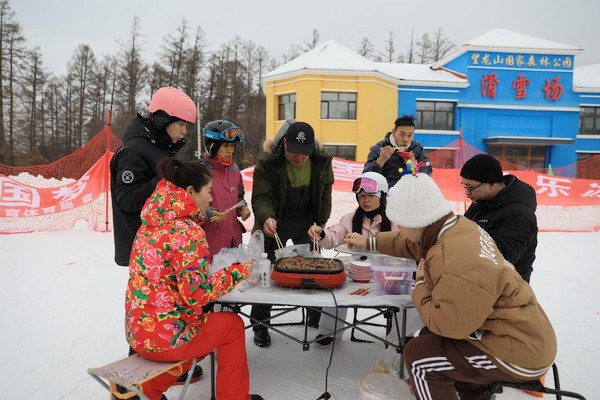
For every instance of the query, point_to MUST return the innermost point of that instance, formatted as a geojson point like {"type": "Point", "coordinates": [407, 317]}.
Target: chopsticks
{"type": "Point", "coordinates": [345, 246]}
{"type": "Point", "coordinates": [337, 254]}
{"type": "Point", "coordinates": [277, 238]}
{"type": "Point", "coordinates": [316, 242]}
{"type": "Point", "coordinates": [238, 204]}
{"type": "Point", "coordinates": [362, 291]}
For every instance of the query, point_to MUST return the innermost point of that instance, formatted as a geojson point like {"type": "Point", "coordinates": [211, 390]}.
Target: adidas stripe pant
{"type": "Point", "coordinates": [441, 368]}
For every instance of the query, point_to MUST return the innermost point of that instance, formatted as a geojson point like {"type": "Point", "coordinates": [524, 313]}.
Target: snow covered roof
{"type": "Point", "coordinates": [333, 56]}
{"type": "Point", "coordinates": [505, 41]}
{"type": "Point", "coordinates": [329, 55]}
{"type": "Point", "coordinates": [419, 73]}
{"type": "Point", "coordinates": [587, 79]}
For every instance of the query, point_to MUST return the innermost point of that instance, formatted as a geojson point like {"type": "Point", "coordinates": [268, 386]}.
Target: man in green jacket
{"type": "Point", "coordinates": [291, 191]}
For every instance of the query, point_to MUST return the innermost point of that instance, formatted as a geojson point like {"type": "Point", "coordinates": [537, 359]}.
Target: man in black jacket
{"type": "Point", "coordinates": [390, 155]}
{"type": "Point", "coordinates": [505, 207]}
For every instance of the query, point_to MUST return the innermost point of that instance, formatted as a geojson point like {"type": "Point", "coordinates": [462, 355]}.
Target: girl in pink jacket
{"type": "Point", "coordinates": [369, 219]}
{"type": "Point", "coordinates": [223, 228]}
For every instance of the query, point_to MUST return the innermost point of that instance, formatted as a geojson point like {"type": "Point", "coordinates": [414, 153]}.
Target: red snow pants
{"type": "Point", "coordinates": [223, 331]}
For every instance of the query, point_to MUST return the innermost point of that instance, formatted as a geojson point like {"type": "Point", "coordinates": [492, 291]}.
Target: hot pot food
{"type": "Point", "coordinates": [290, 271]}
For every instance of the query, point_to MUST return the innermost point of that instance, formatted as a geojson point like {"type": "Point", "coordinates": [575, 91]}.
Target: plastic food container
{"type": "Point", "coordinates": [393, 275]}
{"type": "Point", "coordinates": [381, 386]}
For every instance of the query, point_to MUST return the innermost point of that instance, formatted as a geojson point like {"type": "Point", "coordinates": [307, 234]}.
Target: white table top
{"type": "Point", "coordinates": [315, 297]}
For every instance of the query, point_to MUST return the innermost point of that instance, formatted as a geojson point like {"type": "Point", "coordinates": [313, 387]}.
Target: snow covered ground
{"type": "Point", "coordinates": [61, 304]}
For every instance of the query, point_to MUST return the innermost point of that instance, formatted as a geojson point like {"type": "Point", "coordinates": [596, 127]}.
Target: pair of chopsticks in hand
{"type": "Point", "coordinates": [344, 247]}
{"type": "Point", "coordinates": [277, 238]}
{"type": "Point", "coordinates": [316, 243]}
{"type": "Point", "coordinates": [238, 204]}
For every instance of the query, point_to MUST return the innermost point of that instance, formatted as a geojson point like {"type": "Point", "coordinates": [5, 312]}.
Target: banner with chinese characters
{"type": "Point", "coordinates": [18, 199]}
{"type": "Point", "coordinates": [21, 200]}
{"type": "Point", "coordinates": [551, 190]}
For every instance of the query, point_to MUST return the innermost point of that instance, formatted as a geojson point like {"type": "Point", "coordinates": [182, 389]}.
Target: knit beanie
{"type": "Point", "coordinates": [482, 168]}
{"type": "Point", "coordinates": [416, 202]}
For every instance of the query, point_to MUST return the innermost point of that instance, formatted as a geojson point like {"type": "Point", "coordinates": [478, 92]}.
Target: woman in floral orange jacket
{"type": "Point", "coordinates": [169, 282]}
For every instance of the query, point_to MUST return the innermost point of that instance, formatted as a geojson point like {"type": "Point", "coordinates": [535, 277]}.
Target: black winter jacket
{"type": "Point", "coordinates": [133, 178]}
{"type": "Point", "coordinates": [391, 167]}
{"type": "Point", "coordinates": [510, 220]}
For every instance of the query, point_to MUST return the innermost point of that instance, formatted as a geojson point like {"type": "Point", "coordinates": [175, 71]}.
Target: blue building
{"type": "Point", "coordinates": [514, 96]}
{"type": "Point", "coordinates": [521, 100]}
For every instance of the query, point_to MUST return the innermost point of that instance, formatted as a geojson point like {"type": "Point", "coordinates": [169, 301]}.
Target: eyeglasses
{"type": "Point", "coordinates": [369, 186]}
{"type": "Point", "coordinates": [470, 190]}
{"type": "Point", "coordinates": [231, 134]}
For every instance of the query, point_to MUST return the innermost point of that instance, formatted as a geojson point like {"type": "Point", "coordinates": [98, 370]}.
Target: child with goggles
{"type": "Point", "coordinates": [223, 228]}
{"type": "Point", "coordinates": [229, 134]}
{"type": "Point", "coordinates": [368, 219]}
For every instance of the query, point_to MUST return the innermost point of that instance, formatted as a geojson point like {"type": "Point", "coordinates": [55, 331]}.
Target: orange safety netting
{"type": "Point", "coordinates": [58, 195]}
{"type": "Point", "coordinates": [76, 188]}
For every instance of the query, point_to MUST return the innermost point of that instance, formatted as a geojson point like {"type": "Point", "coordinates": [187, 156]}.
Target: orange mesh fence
{"type": "Point", "coordinates": [75, 189]}
{"type": "Point", "coordinates": [59, 195]}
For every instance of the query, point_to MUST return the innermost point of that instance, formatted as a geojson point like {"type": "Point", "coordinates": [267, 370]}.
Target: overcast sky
{"type": "Point", "coordinates": [59, 26]}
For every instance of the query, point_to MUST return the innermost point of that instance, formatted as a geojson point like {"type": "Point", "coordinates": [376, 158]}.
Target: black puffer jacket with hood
{"type": "Point", "coordinates": [133, 178]}
{"type": "Point", "coordinates": [510, 220]}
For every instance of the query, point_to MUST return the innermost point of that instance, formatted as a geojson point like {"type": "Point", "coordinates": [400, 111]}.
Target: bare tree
{"type": "Point", "coordinates": [423, 51]}
{"type": "Point", "coordinates": [440, 45]}
{"type": "Point", "coordinates": [313, 42]}
{"type": "Point", "coordinates": [293, 52]}
{"type": "Point", "coordinates": [172, 55]}
{"type": "Point", "coordinates": [389, 47]}
{"type": "Point", "coordinates": [262, 61]}
{"type": "Point", "coordinates": [194, 65]}
{"type": "Point", "coordinates": [7, 39]}
{"type": "Point", "coordinates": [12, 56]}
{"type": "Point", "coordinates": [81, 67]}
{"type": "Point", "coordinates": [410, 52]}
{"type": "Point", "coordinates": [33, 83]}
{"type": "Point", "coordinates": [366, 48]}
{"type": "Point", "coordinates": [249, 49]}
{"type": "Point", "coordinates": [132, 72]}
{"type": "Point", "coordinates": [101, 93]}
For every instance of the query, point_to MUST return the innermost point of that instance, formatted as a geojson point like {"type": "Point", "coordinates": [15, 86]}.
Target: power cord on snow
{"type": "Point", "coordinates": [310, 283]}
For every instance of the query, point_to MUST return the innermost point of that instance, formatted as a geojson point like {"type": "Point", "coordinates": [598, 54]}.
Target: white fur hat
{"type": "Point", "coordinates": [416, 202]}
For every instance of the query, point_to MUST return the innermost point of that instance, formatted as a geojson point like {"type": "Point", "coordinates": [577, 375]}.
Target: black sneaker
{"type": "Point", "coordinates": [256, 397]}
{"type": "Point", "coordinates": [196, 375]}
{"type": "Point", "coordinates": [262, 338]}
{"type": "Point", "coordinates": [323, 341]}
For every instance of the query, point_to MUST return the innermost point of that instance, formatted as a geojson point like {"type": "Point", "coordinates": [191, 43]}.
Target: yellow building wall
{"type": "Point", "coordinates": [376, 108]}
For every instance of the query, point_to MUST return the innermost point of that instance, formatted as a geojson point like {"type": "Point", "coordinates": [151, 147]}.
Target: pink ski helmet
{"type": "Point", "coordinates": [175, 103]}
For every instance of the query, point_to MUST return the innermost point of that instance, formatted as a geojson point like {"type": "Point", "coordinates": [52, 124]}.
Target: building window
{"type": "Point", "coordinates": [341, 151]}
{"type": "Point", "coordinates": [529, 157]}
{"type": "Point", "coordinates": [435, 115]}
{"type": "Point", "coordinates": [589, 121]}
{"type": "Point", "coordinates": [338, 105]}
{"type": "Point", "coordinates": [287, 107]}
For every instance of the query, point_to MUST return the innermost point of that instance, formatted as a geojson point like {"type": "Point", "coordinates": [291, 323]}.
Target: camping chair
{"type": "Point", "coordinates": [133, 371]}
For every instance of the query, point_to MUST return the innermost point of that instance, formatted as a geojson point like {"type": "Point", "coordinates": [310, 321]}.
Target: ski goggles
{"type": "Point", "coordinates": [368, 185]}
{"type": "Point", "coordinates": [231, 134]}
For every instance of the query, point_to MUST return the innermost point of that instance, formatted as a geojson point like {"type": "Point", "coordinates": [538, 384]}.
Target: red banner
{"type": "Point", "coordinates": [18, 199]}
{"type": "Point", "coordinates": [551, 190]}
